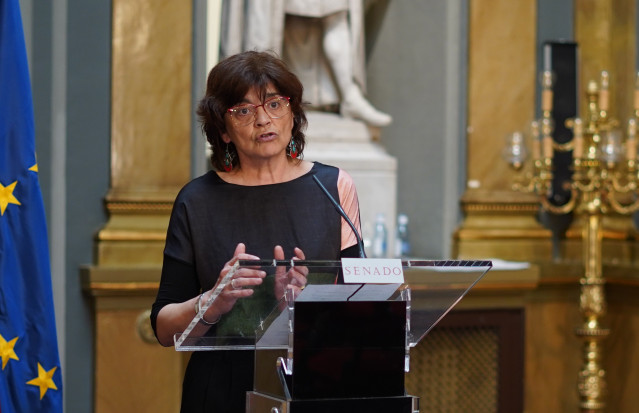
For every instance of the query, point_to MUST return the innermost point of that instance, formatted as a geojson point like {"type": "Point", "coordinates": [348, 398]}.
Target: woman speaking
{"type": "Point", "coordinates": [260, 201]}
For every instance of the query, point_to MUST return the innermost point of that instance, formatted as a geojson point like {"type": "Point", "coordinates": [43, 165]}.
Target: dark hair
{"type": "Point", "coordinates": [229, 82]}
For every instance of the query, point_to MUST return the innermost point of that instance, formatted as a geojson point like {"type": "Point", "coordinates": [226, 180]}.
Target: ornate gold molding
{"type": "Point", "coordinates": [133, 208]}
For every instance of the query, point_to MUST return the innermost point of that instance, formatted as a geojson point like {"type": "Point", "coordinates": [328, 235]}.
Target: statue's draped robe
{"type": "Point", "coordinates": [293, 30]}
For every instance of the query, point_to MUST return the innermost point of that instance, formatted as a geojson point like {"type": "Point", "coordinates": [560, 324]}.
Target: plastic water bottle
{"type": "Point", "coordinates": [402, 242]}
{"type": "Point", "coordinates": [380, 237]}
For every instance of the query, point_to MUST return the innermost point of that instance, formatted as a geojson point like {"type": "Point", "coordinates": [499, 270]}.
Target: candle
{"type": "Point", "coordinates": [632, 128]}
{"type": "Point", "coordinates": [536, 149]}
{"type": "Point", "coordinates": [547, 146]}
{"type": "Point", "coordinates": [535, 144]}
{"type": "Point", "coordinates": [631, 142]}
{"type": "Point", "coordinates": [631, 149]}
{"type": "Point", "coordinates": [636, 102]}
{"type": "Point", "coordinates": [604, 96]}
{"type": "Point", "coordinates": [578, 139]}
{"type": "Point", "coordinates": [546, 92]}
{"type": "Point", "coordinates": [578, 147]}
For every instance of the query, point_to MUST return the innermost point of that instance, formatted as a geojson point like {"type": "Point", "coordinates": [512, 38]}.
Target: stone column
{"type": "Point", "coordinates": [501, 99]}
{"type": "Point", "coordinates": [150, 161]}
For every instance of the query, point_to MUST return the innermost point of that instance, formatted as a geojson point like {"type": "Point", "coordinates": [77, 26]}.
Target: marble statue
{"type": "Point", "coordinates": [321, 40]}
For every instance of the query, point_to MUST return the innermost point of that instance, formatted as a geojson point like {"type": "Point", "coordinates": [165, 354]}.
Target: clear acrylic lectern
{"type": "Point", "coordinates": [334, 347]}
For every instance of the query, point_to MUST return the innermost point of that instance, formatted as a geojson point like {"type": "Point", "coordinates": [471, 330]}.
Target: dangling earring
{"type": "Point", "coordinates": [292, 149]}
{"type": "Point", "coordinates": [228, 160]}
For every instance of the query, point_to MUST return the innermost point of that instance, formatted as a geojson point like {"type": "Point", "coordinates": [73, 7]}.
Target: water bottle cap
{"type": "Point", "coordinates": [402, 219]}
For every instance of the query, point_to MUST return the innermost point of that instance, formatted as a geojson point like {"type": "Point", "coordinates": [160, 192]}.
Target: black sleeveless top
{"type": "Point", "coordinates": [210, 217]}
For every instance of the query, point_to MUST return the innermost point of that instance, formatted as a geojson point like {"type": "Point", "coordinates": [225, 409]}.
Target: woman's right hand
{"type": "Point", "coordinates": [174, 318]}
{"type": "Point", "coordinates": [239, 286]}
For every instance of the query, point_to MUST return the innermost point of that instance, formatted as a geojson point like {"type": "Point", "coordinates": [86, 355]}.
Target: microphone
{"type": "Point", "coordinates": [341, 211]}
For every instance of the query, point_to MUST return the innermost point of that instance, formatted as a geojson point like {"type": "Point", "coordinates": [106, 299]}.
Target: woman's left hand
{"type": "Point", "coordinates": [294, 278]}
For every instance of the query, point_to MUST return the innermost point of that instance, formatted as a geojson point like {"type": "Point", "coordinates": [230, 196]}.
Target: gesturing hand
{"type": "Point", "coordinates": [240, 284]}
{"type": "Point", "coordinates": [294, 278]}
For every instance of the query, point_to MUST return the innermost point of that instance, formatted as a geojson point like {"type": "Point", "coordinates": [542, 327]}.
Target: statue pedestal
{"type": "Point", "coordinates": [347, 144]}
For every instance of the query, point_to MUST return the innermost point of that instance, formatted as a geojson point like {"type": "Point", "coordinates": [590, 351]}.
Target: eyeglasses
{"type": "Point", "coordinates": [245, 113]}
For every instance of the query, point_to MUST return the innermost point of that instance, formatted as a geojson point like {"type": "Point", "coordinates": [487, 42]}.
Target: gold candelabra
{"type": "Point", "coordinates": [604, 180]}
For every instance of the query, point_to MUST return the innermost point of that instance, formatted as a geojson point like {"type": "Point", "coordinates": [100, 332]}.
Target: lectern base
{"type": "Point", "coordinates": [262, 403]}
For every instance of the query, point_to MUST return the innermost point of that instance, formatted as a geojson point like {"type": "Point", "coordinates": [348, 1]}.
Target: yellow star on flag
{"type": "Point", "coordinates": [6, 350]}
{"type": "Point", "coordinates": [34, 168]}
{"type": "Point", "coordinates": [44, 380]}
{"type": "Point", "coordinates": [6, 196]}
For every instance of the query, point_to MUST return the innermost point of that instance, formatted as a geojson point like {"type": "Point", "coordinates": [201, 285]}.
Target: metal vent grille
{"type": "Point", "coordinates": [456, 370]}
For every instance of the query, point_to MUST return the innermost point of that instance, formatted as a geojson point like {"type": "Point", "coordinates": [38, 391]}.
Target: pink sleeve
{"type": "Point", "coordinates": [349, 202]}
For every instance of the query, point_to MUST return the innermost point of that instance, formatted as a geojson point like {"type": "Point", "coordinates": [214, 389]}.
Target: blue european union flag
{"type": "Point", "coordinates": [30, 376]}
